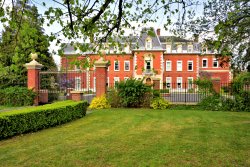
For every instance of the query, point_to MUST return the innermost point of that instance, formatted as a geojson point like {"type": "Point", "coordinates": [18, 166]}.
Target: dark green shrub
{"type": "Point", "coordinates": [212, 102]}
{"type": "Point", "coordinates": [113, 98]}
{"type": "Point", "coordinates": [242, 101]}
{"type": "Point", "coordinates": [228, 104]}
{"type": "Point", "coordinates": [156, 93]}
{"type": "Point", "coordinates": [205, 85]}
{"type": "Point", "coordinates": [16, 96]}
{"type": "Point", "coordinates": [131, 92]}
{"type": "Point", "coordinates": [33, 119]}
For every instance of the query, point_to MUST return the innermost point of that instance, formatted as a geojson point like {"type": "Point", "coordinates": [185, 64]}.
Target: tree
{"type": "Point", "coordinates": [23, 35]}
{"type": "Point", "coordinates": [230, 20]}
{"type": "Point", "coordinates": [105, 21]}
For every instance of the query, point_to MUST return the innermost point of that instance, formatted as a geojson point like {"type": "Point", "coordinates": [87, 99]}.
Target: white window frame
{"type": "Point", "coordinates": [116, 79]}
{"type": "Point", "coordinates": [170, 68]}
{"type": "Point", "coordinates": [206, 63]}
{"type": "Point", "coordinates": [77, 68]}
{"type": "Point", "coordinates": [148, 41]}
{"type": "Point", "coordinates": [126, 78]}
{"type": "Point", "coordinates": [94, 84]}
{"type": "Point", "coordinates": [179, 48]}
{"type": "Point", "coordinates": [190, 78]}
{"type": "Point", "coordinates": [177, 79]}
{"type": "Point", "coordinates": [215, 60]}
{"type": "Point", "coordinates": [190, 61]}
{"type": "Point", "coordinates": [190, 48]}
{"type": "Point", "coordinates": [177, 67]}
{"type": "Point", "coordinates": [78, 83]}
{"type": "Point", "coordinates": [118, 65]}
{"type": "Point", "coordinates": [170, 83]}
{"type": "Point", "coordinates": [168, 48]}
{"type": "Point", "coordinates": [125, 65]}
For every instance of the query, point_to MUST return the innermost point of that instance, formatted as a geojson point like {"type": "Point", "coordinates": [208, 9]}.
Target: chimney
{"type": "Point", "coordinates": [158, 31]}
{"type": "Point", "coordinates": [196, 37]}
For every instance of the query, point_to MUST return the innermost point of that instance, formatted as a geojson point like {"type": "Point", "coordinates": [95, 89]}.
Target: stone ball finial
{"type": "Point", "coordinates": [34, 56]}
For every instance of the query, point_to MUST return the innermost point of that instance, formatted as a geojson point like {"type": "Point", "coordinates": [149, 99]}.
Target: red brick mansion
{"type": "Point", "coordinates": [166, 58]}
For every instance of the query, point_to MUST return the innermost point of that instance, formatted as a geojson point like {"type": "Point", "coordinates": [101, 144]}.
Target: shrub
{"type": "Point", "coordinates": [212, 102]}
{"type": "Point", "coordinates": [242, 101]}
{"type": "Point", "coordinates": [146, 99]}
{"type": "Point", "coordinates": [156, 93]}
{"type": "Point", "coordinates": [131, 92]}
{"type": "Point", "coordinates": [99, 103]}
{"type": "Point", "coordinates": [17, 96]}
{"type": "Point", "coordinates": [41, 117]}
{"type": "Point", "coordinates": [228, 104]}
{"type": "Point", "coordinates": [113, 98]}
{"type": "Point", "coordinates": [159, 103]}
{"type": "Point", "coordinates": [205, 85]}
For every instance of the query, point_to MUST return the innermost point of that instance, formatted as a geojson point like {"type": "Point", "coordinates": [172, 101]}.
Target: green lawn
{"type": "Point", "coordinates": [136, 137]}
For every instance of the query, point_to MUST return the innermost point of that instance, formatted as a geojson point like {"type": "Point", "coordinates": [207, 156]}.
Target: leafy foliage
{"type": "Point", "coordinates": [113, 98]}
{"type": "Point", "coordinates": [205, 85]}
{"type": "Point", "coordinates": [159, 103]}
{"type": "Point", "coordinates": [30, 120]}
{"type": "Point", "coordinates": [131, 92]}
{"type": "Point", "coordinates": [22, 36]}
{"type": "Point", "coordinates": [230, 22]}
{"type": "Point", "coordinates": [99, 103]}
{"type": "Point", "coordinates": [212, 102]}
{"type": "Point", "coordinates": [16, 96]}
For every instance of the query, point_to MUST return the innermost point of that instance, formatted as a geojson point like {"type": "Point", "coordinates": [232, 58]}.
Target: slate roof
{"type": "Point", "coordinates": [138, 42]}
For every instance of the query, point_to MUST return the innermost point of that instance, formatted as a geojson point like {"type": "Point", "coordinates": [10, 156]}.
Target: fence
{"type": "Point", "coordinates": [190, 93]}
{"type": "Point", "coordinates": [58, 85]}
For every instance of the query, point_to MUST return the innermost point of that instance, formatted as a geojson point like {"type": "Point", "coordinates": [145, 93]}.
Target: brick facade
{"type": "Point", "coordinates": [182, 63]}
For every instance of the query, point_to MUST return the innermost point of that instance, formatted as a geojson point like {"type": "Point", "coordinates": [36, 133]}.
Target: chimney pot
{"type": "Point", "coordinates": [158, 31]}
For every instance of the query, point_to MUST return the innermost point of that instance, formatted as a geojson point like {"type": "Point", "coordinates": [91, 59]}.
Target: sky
{"type": "Point", "coordinates": [56, 27]}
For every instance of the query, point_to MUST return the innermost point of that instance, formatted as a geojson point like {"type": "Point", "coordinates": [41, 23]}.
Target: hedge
{"type": "Point", "coordinates": [35, 118]}
{"type": "Point", "coordinates": [16, 96]}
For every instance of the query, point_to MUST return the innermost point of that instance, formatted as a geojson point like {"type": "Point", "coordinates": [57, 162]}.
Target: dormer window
{"type": "Point", "coordinates": [148, 43]}
{"type": "Point", "coordinates": [190, 48]}
{"type": "Point", "coordinates": [179, 49]}
{"type": "Point", "coordinates": [168, 48]}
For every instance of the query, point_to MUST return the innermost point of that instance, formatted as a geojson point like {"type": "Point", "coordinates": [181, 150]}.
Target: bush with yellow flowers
{"type": "Point", "coordinates": [99, 103]}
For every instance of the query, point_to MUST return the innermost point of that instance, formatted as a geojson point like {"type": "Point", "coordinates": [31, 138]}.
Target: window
{"type": "Point", "coordinates": [190, 82]}
{"type": "Point", "coordinates": [116, 80]}
{"type": "Point", "coordinates": [179, 49]}
{"type": "Point", "coordinates": [117, 65]}
{"type": "Point", "coordinates": [148, 65]}
{"type": "Point", "coordinates": [148, 43]}
{"type": "Point", "coordinates": [190, 65]}
{"type": "Point", "coordinates": [215, 63]}
{"type": "Point", "coordinates": [126, 65]}
{"type": "Point", "coordinates": [179, 65]}
{"type": "Point", "coordinates": [204, 63]}
{"type": "Point", "coordinates": [77, 67]}
{"type": "Point", "coordinates": [168, 48]}
{"type": "Point", "coordinates": [126, 78]}
{"type": "Point", "coordinates": [168, 66]}
{"type": "Point", "coordinates": [168, 82]}
{"type": "Point", "coordinates": [77, 83]}
{"type": "Point", "coordinates": [190, 48]}
{"type": "Point", "coordinates": [94, 84]}
{"type": "Point", "coordinates": [108, 81]}
{"type": "Point", "coordinates": [179, 82]}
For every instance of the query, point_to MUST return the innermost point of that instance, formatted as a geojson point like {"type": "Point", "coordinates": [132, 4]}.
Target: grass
{"type": "Point", "coordinates": [137, 137]}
